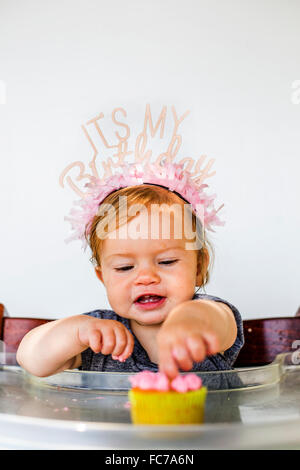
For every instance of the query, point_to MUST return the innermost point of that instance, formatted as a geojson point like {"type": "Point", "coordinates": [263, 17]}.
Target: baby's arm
{"type": "Point", "coordinates": [57, 345]}
{"type": "Point", "coordinates": [193, 330]}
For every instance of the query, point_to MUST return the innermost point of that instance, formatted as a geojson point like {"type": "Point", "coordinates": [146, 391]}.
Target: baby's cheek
{"type": "Point", "coordinates": [119, 303]}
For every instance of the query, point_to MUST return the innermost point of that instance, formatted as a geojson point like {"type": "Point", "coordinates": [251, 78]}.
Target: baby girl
{"type": "Point", "coordinates": [150, 270]}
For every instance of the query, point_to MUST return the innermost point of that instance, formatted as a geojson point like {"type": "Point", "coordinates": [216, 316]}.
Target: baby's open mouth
{"type": "Point", "coordinates": [149, 298]}
{"type": "Point", "coordinates": [149, 302]}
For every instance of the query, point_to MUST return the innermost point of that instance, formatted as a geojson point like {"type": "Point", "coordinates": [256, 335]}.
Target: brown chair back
{"type": "Point", "coordinates": [1, 318]}
{"type": "Point", "coordinates": [265, 338]}
{"type": "Point", "coordinates": [12, 329]}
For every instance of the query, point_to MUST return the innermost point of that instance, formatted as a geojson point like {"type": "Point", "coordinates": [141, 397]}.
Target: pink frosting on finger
{"type": "Point", "coordinates": [147, 380]}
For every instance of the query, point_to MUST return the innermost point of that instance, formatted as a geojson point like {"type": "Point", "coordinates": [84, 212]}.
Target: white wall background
{"type": "Point", "coordinates": [231, 62]}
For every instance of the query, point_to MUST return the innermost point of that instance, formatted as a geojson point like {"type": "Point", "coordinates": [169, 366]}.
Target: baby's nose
{"type": "Point", "coordinates": [147, 276]}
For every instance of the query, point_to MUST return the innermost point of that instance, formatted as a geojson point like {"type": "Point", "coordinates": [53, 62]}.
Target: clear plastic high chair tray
{"type": "Point", "coordinates": [255, 407]}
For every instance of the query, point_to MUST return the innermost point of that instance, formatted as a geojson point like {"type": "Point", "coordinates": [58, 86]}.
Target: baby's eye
{"type": "Point", "coordinates": [126, 268]}
{"type": "Point", "coordinates": [168, 261]}
{"type": "Point", "coordinates": [123, 268]}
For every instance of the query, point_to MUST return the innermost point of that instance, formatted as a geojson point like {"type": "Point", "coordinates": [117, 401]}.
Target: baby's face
{"type": "Point", "coordinates": [131, 268]}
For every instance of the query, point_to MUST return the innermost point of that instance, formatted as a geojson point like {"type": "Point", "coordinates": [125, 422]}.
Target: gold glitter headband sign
{"type": "Point", "coordinates": [141, 154]}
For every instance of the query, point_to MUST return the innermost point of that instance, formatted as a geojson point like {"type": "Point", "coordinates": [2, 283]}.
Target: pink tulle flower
{"type": "Point", "coordinates": [172, 176]}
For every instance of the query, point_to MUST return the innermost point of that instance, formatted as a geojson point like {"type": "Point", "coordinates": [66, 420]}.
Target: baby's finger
{"type": "Point", "coordinates": [121, 341]}
{"type": "Point", "coordinates": [95, 340]}
{"type": "Point", "coordinates": [197, 348]}
{"type": "Point", "coordinates": [108, 341]}
{"type": "Point", "coordinates": [128, 348]}
{"type": "Point", "coordinates": [182, 357]}
{"type": "Point", "coordinates": [130, 345]}
{"type": "Point", "coordinates": [167, 363]}
{"type": "Point", "coordinates": [212, 342]}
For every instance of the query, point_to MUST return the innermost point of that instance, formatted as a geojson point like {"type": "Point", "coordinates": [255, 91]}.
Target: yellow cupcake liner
{"type": "Point", "coordinates": [150, 407]}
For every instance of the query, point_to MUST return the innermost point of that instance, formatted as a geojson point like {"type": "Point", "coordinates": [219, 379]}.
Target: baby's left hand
{"type": "Point", "coordinates": [184, 338]}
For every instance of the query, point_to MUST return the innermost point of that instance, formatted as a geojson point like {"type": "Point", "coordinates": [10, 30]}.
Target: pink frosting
{"type": "Point", "coordinates": [148, 380]}
{"type": "Point", "coordinates": [184, 383]}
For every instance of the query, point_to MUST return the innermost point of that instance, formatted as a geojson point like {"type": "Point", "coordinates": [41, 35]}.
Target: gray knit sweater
{"type": "Point", "coordinates": [139, 359]}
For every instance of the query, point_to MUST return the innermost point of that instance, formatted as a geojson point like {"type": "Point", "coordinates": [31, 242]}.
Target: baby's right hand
{"type": "Point", "coordinates": [107, 337]}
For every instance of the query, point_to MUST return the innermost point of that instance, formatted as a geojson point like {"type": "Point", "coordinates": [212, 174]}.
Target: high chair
{"type": "Point", "coordinates": [265, 338]}
{"type": "Point", "coordinates": [12, 329]}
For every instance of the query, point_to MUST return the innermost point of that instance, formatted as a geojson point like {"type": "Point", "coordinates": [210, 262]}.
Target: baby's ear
{"type": "Point", "coordinates": [99, 273]}
{"type": "Point", "coordinates": [202, 266]}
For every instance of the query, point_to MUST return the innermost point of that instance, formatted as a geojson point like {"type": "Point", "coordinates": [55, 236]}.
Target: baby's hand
{"type": "Point", "coordinates": [107, 337]}
{"type": "Point", "coordinates": [184, 338]}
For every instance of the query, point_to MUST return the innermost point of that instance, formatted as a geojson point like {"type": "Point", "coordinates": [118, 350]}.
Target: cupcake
{"type": "Point", "coordinates": [157, 400]}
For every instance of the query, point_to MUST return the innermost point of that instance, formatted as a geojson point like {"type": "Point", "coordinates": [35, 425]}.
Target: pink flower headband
{"type": "Point", "coordinates": [163, 172]}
